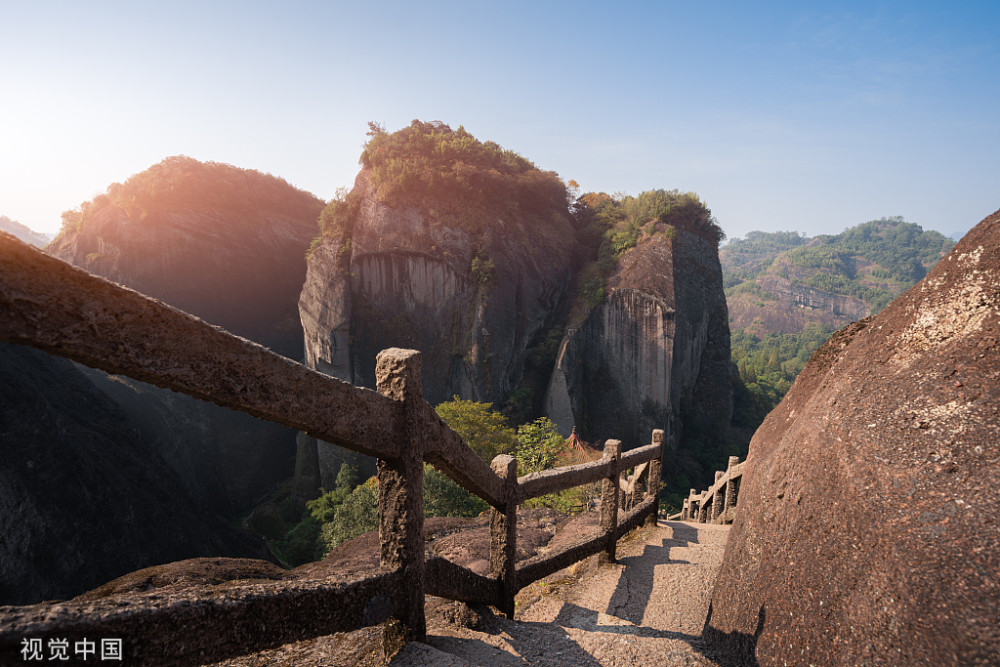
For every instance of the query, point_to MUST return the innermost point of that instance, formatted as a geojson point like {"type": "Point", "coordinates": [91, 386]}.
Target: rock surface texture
{"type": "Point", "coordinates": [472, 302]}
{"type": "Point", "coordinates": [403, 278]}
{"type": "Point", "coordinates": [867, 531]}
{"type": "Point", "coordinates": [658, 344]}
{"type": "Point", "coordinates": [84, 497]}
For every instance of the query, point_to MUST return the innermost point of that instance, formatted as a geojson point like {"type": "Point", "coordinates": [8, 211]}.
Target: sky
{"type": "Point", "coordinates": [803, 116]}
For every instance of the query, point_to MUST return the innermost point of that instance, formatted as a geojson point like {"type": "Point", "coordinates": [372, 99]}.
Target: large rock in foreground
{"type": "Point", "coordinates": [867, 530]}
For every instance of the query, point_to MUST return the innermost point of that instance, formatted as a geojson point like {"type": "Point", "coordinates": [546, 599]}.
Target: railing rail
{"type": "Point", "coordinates": [717, 504]}
{"type": "Point", "coordinates": [50, 305]}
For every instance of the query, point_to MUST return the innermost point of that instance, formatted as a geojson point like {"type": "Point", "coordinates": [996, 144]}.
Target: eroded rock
{"type": "Point", "coordinates": [867, 530]}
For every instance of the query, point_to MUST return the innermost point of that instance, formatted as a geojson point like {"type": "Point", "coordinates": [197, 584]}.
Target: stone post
{"type": "Point", "coordinates": [503, 534]}
{"type": "Point", "coordinates": [692, 509]}
{"type": "Point", "coordinates": [401, 491]}
{"type": "Point", "coordinates": [703, 510]}
{"type": "Point", "coordinates": [609, 501]}
{"type": "Point", "coordinates": [653, 481]}
{"type": "Point", "coordinates": [717, 497]}
{"type": "Point", "coordinates": [731, 486]}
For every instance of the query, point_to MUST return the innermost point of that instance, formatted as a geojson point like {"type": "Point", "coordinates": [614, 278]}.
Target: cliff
{"type": "Point", "coordinates": [866, 530]}
{"type": "Point", "coordinates": [470, 277]}
{"type": "Point", "coordinates": [470, 254]}
{"type": "Point", "coordinates": [786, 306]}
{"type": "Point", "coordinates": [84, 497]}
{"type": "Point", "coordinates": [655, 353]}
{"type": "Point", "coordinates": [225, 244]}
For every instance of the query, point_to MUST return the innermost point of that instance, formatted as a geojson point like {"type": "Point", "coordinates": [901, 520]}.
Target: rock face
{"type": "Point", "coordinates": [227, 245]}
{"type": "Point", "coordinates": [659, 339]}
{"type": "Point", "coordinates": [866, 531]}
{"type": "Point", "coordinates": [84, 497]}
{"type": "Point", "coordinates": [471, 301]}
{"type": "Point", "coordinates": [791, 306]}
{"type": "Point", "coordinates": [224, 459]}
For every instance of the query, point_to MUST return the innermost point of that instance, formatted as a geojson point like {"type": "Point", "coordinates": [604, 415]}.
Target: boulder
{"type": "Point", "coordinates": [867, 531]}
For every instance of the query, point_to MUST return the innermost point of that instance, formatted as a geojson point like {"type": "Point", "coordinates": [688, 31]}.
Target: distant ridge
{"type": "Point", "coordinates": [24, 233]}
{"type": "Point", "coordinates": [781, 282]}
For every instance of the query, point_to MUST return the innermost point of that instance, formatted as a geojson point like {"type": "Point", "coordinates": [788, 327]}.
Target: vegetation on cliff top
{"type": "Point", "coordinates": [434, 165]}
{"type": "Point", "coordinates": [182, 183]}
{"type": "Point", "coordinates": [450, 174]}
{"type": "Point", "coordinates": [608, 226]}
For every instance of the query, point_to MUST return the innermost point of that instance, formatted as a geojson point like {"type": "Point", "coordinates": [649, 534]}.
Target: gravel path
{"type": "Point", "coordinates": [648, 609]}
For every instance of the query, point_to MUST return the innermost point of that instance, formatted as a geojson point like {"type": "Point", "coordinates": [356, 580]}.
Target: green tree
{"type": "Point", "coordinates": [539, 446]}
{"type": "Point", "coordinates": [483, 429]}
{"type": "Point", "coordinates": [443, 497]}
{"type": "Point", "coordinates": [357, 514]}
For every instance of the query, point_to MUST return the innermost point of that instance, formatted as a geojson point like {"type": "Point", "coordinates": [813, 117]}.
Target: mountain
{"type": "Point", "coordinates": [647, 341]}
{"type": "Point", "coordinates": [787, 293]}
{"type": "Point", "coordinates": [782, 282]}
{"type": "Point", "coordinates": [22, 232]}
{"type": "Point", "coordinates": [447, 245]}
{"type": "Point", "coordinates": [224, 243]}
{"type": "Point", "coordinates": [227, 245]}
{"type": "Point", "coordinates": [866, 531]}
{"type": "Point", "coordinates": [470, 253]}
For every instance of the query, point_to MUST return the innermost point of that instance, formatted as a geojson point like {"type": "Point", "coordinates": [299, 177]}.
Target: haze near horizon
{"type": "Point", "coordinates": [784, 118]}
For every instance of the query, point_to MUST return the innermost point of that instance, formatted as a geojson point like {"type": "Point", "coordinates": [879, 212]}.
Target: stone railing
{"type": "Point", "coordinates": [50, 305]}
{"type": "Point", "coordinates": [717, 504]}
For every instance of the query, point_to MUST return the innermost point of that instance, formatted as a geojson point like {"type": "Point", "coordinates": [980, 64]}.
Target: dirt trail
{"type": "Point", "coordinates": [648, 609]}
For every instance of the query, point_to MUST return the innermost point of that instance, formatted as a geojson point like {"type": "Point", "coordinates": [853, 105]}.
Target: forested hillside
{"type": "Point", "coordinates": [787, 293]}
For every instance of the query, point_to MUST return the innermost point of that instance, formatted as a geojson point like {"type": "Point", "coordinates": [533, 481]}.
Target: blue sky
{"type": "Point", "coordinates": [783, 116]}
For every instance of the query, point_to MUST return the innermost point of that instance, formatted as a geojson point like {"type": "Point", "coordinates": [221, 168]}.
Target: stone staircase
{"type": "Point", "coordinates": [646, 609]}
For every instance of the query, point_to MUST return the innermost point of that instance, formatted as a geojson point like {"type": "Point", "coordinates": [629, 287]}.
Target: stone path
{"type": "Point", "coordinates": [648, 609]}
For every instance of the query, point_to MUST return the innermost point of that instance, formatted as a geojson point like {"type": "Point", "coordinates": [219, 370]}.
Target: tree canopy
{"type": "Point", "coordinates": [182, 183]}
{"type": "Point", "coordinates": [431, 164]}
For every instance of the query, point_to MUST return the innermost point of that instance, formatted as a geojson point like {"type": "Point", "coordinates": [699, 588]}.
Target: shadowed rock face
{"type": "Point", "coordinates": [235, 261]}
{"type": "Point", "coordinates": [243, 276]}
{"type": "Point", "coordinates": [660, 339]}
{"type": "Point", "coordinates": [84, 497]}
{"type": "Point", "coordinates": [405, 278]}
{"type": "Point", "coordinates": [867, 530]}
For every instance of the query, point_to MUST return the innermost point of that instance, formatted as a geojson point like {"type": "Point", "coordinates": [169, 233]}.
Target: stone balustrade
{"type": "Point", "coordinates": [48, 304]}
{"type": "Point", "coordinates": [717, 504]}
